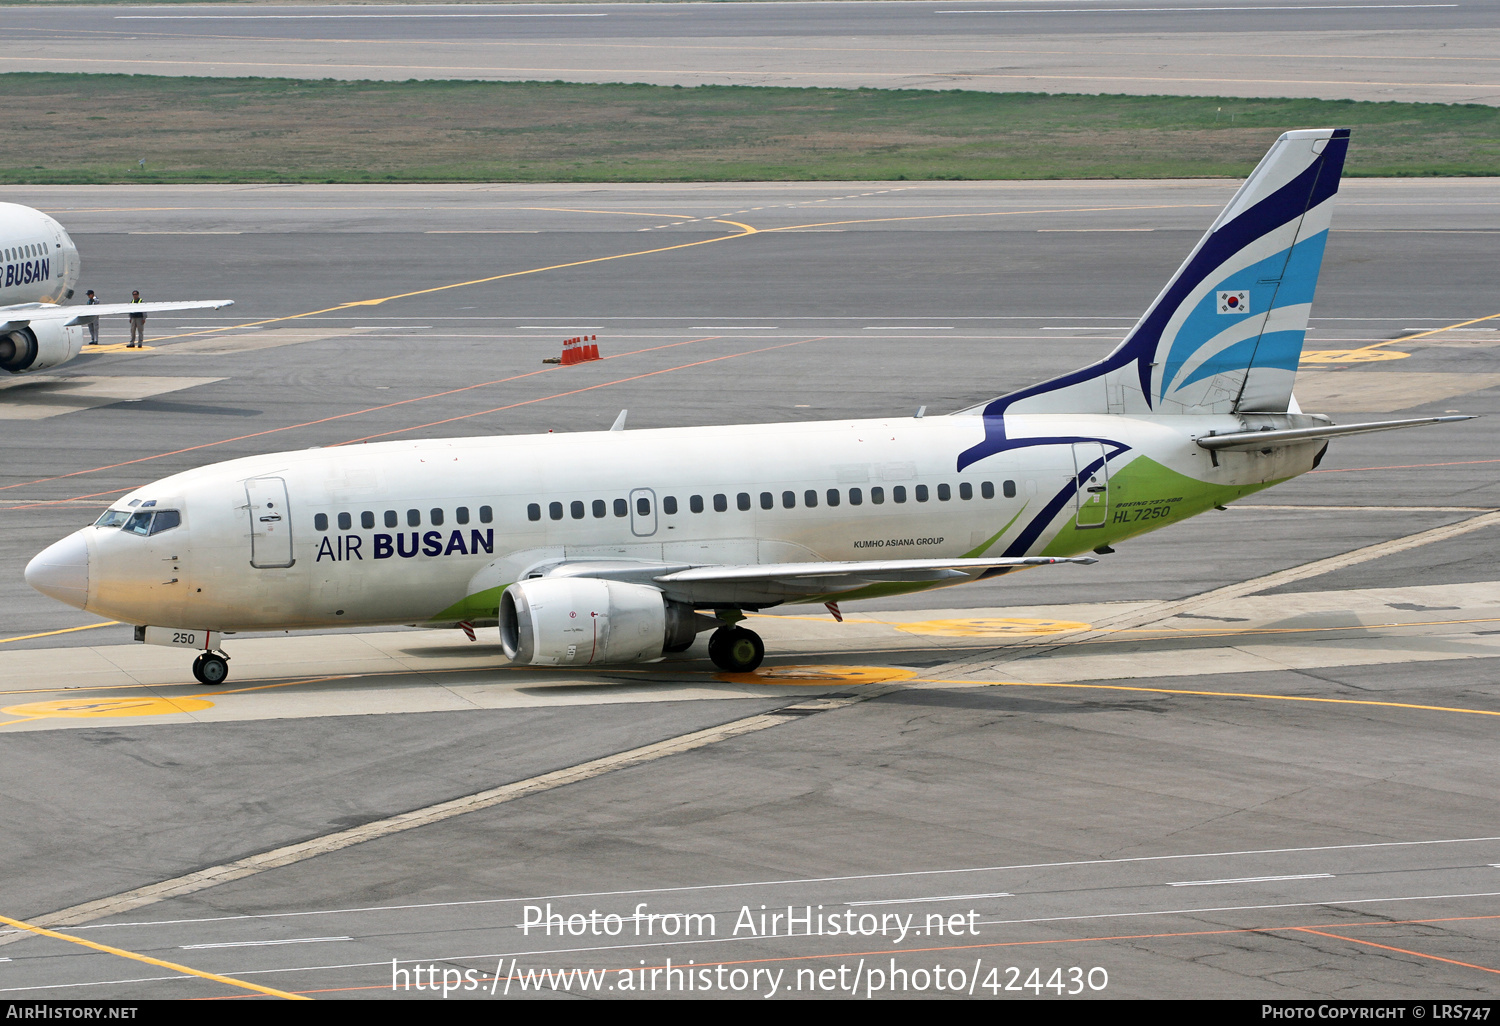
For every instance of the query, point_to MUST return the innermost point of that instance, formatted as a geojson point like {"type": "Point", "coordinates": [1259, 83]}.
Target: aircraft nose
{"type": "Point", "coordinates": [61, 570]}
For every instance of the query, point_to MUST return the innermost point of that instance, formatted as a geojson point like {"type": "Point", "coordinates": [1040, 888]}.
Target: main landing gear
{"type": "Point", "coordinates": [735, 649]}
{"type": "Point", "coordinates": [211, 668]}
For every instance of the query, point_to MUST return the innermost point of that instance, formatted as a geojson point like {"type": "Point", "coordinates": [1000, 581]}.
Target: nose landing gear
{"type": "Point", "coordinates": [735, 649]}
{"type": "Point", "coordinates": [211, 668]}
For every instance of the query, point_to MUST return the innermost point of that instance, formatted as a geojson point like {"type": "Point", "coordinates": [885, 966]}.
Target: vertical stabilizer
{"type": "Point", "coordinates": [1226, 333]}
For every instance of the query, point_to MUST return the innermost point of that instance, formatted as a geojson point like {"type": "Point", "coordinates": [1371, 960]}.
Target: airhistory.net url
{"type": "Point", "coordinates": [864, 979]}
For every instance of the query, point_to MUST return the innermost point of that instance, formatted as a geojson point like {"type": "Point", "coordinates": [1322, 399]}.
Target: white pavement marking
{"type": "Point", "coordinates": [264, 943]}
{"type": "Point", "coordinates": [1175, 10]}
{"type": "Point", "coordinates": [1250, 880]}
{"type": "Point", "coordinates": [939, 897]}
{"type": "Point", "coordinates": [345, 17]}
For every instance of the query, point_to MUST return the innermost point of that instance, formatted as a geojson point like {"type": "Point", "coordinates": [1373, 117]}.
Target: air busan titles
{"type": "Point", "coordinates": [619, 546]}
{"type": "Point", "coordinates": [40, 270]}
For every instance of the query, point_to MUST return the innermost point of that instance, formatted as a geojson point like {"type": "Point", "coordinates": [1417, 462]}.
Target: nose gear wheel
{"type": "Point", "coordinates": [211, 668]}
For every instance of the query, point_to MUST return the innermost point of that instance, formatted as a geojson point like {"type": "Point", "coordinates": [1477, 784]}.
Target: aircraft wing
{"type": "Point", "coordinates": [29, 313]}
{"type": "Point", "coordinates": [770, 583]}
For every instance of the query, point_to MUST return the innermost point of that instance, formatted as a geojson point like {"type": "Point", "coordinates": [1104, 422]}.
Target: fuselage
{"type": "Point", "coordinates": [431, 532]}
{"type": "Point", "coordinates": [38, 261]}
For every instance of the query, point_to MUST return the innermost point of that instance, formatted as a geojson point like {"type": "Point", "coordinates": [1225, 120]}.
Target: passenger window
{"type": "Point", "coordinates": [1010, 489]}
{"type": "Point", "coordinates": [344, 522]}
{"type": "Point", "coordinates": [987, 489]}
{"type": "Point", "coordinates": [533, 512]}
{"type": "Point", "coordinates": [554, 510]}
{"type": "Point", "coordinates": [600, 509]}
{"type": "Point", "coordinates": [767, 500]}
{"type": "Point", "coordinates": [789, 500]}
{"type": "Point", "coordinates": [166, 519]}
{"type": "Point", "coordinates": [833, 496]}
{"type": "Point", "coordinates": [622, 509]}
{"type": "Point", "coordinates": [139, 523]}
{"type": "Point", "coordinates": [898, 493]}
{"type": "Point", "coordinates": [856, 496]}
{"type": "Point", "coordinates": [810, 497]}
{"type": "Point", "coordinates": [921, 491]}
{"type": "Point", "coordinates": [391, 520]}
{"type": "Point", "coordinates": [721, 502]}
{"type": "Point", "coordinates": [696, 504]}
{"type": "Point", "coordinates": [576, 508]}
{"type": "Point", "coordinates": [413, 518]}
{"type": "Point", "coordinates": [320, 522]}
{"type": "Point", "coordinates": [742, 500]}
{"type": "Point", "coordinates": [367, 520]}
{"type": "Point", "coordinates": [643, 506]}
{"type": "Point", "coordinates": [437, 518]}
{"type": "Point", "coordinates": [461, 514]}
{"type": "Point", "coordinates": [944, 493]}
{"type": "Point", "coordinates": [965, 490]}
{"type": "Point", "coordinates": [486, 514]}
{"type": "Point", "coordinates": [669, 504]}
{"type": "Point", "coordinates": [877, 495]}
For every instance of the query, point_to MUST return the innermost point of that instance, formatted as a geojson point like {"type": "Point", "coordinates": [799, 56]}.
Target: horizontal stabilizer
{"type": "Point", "coordinates": [1251, 440]}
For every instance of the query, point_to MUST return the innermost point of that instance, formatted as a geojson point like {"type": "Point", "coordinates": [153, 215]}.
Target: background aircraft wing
{"type": "Point", "coordinates": [20, 316]}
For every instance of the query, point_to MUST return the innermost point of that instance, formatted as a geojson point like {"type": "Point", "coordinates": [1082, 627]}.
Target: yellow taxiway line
{"type": "Point", "coordinates": [175, 967]}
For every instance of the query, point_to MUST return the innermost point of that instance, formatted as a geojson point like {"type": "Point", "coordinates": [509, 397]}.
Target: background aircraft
{"type": "Point", "coordinates": [616, 546]}
{"type": "Point", "coordinates": [39, 269]}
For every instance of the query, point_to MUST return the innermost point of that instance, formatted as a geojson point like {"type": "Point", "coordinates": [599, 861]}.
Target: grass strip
{"type": "Point", "coordinates": [98, 129]}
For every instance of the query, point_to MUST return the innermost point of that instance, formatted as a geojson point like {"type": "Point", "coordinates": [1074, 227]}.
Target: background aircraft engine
{"type": "Point", "coordinates": [582, 620]}
{"type": "Point", "coordinates": [42, 345]}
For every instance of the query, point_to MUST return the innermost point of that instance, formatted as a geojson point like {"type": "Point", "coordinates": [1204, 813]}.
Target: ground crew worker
{"type": "Point", "coordinates": [137, 325]}
{"type": "Point", "coordinates": [93, 324]}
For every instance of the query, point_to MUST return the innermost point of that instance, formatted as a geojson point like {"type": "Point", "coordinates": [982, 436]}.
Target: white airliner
{"type": "Point", "coordinates": [38, 271]}
{"type": "Point", "coordinates": [617, 546]}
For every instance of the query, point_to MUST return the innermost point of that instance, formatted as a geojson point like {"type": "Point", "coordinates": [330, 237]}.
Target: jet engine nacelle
{"type": "Point", "coordinates": [582, 620]}
{"type": "Point", "coordinates": [39, 346]}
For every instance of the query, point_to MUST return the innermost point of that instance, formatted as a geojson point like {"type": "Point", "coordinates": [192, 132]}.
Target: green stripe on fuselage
{"type": "Point", "coordinates": [1143, 496]}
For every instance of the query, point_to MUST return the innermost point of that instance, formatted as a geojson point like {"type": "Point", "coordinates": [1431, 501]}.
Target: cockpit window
{"type": "Point", "coordinates": [112, 518]}
{"type": "Point", "coordinates": [166, 519]}
{"type": "Point", "coordinates": [152, 521]}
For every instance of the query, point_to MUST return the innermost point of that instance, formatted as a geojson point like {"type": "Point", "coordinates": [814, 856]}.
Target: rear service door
{"type": "Point", "coordinates": [1093, 483]}
{"type": "Point", "coordinates": [270, 523]}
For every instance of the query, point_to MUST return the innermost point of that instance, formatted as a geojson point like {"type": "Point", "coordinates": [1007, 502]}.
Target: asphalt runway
{"type": "Point", "coordinates": [1440, 51]}
{"type": "Point", "coordinates": [1251, 756]}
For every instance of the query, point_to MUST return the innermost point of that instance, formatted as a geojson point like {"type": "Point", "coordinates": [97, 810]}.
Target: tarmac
{"type": "Point", "coordinates": [1251, 756]}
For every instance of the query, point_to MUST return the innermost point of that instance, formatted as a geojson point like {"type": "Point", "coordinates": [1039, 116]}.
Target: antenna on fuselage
{"type": "Point", "coordinates": [619, 424]}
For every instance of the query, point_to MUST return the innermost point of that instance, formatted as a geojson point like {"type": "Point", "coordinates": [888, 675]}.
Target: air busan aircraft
{"type": "Point", "coordinates": [38, 270]}
{"type": "Point", "coordinates": [618, 546]}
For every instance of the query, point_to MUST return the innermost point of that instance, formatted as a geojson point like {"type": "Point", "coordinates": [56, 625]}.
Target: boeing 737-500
{"type": "Point", "coordinates": [618, 546]}
{"type": "Point", "coordinates": [40, 270]}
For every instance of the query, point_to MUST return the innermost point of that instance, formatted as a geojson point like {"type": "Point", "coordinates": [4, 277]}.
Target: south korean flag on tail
{"type": "Point", "coordinates": [1234, 302]}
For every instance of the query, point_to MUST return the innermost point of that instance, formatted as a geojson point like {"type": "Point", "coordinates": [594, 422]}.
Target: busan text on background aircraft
{"type": "Point", "coordinates": [617, 546]}
{"type": "Point", "coordinates": [41, 269]}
